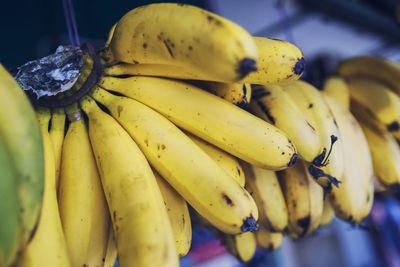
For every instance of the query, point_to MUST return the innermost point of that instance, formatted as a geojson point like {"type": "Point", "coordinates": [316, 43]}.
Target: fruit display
{"type": "Point", "coordinates": [183, 117]}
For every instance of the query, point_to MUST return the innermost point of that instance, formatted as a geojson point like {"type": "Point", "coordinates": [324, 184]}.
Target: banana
{"type": "Point", "coordinates": [187, 168]}
{"type": "Point", "coordinates": [242, 246]}
{"type": "Point", "coordinates": [226, 161]}
{"type": "Point", "coordinates": [351, 201]}
{"type": "Point", "coordinates": [57, 127]}
{"type": "Point", "coordinates": [377, 100]}
{"type": "Point", "coordinates": [327, 213]}
{"type": "Point", "coordinates": [140, 221]}
{"type": "Point", "coordinates": [9, 212]}
{"type": "Point", "coordinates": [304, 199]}
{"type": "Point", "coordinates": [83, 208]}
{"type": "Point", "coordinates": [329, 162]}
{"type": "Point", "coordinates": [48, 246]}
{"type": "Point", "coordinates": [372, 67]}
{"type": "Point", "coordinates": [178, 214]}
{"type": "Point", "coordinates": [210, 118]}
{"type": "Point", "coordinates": [20, 132]}
{"type": "Point", "coordinates": [185, 36]}
{"type": "Point", "coordinates": [337, 88]}
{"type": "Point", "coordinates": [279, 62]}
{"type": "Point", "coordinates": [273, 104]}
{"type": "Point", "coordinates": [110, 35]}
{"type": "Point", "coordinates": [267, 193]}
{"type": "Point", "coordinates": [268, 240]}
{"type": "Point", "coordinates": [385, 153]}
{"type": "Point", "coordinates": [111, 251]}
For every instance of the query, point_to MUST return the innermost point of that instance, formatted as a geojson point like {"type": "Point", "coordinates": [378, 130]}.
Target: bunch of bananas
{"type": "Point", "coordinates": [189, 109]}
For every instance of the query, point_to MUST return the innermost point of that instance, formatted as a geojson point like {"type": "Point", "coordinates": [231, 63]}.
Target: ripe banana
{"type": "Point", "coordinates": [178, 214]}
{"type": "Point", "coordinates": [185, 36]}
{"type": "Point", "coordinates": [242, 246]}
{"type": "Point", "coordinates": [57, 127]}
{"type": "Point", "coordinates": [110, 35]}
{"type": "Point", "coordinates": [278, 62]}
{"type": "Point", "coordinates": [83, 208]}
{"type": "Point", "coordinates": [20, 132]}
{"type": "Point", "coordinates": [211, 118]}
{"type": "Point", "coordinates": [111, 251]}
{"type": "Point", "coordinates": [351, 201]}
{"type": "Point", "coordinates": [9, 212]}
{"type": "Point", "coordinates": [372, 67]}
{"type": "Point", "coordinates": [312, 103]}
{"type": "Point", "coordinates": [265, 189]}
{"type": "Point", "coordinates": [227, 162]}
{"type": "Point", "coordinates": [268, 240]}
{"type": "Point", "coordinates": [304, 199]}
{"type": "Point", "coordinates": [273, 104]}
{"type": "Point", "coordinates": [140, 222]}
{"type": "Point", "coordinates": [337, 88]}
{"type": "Point", "coordinates": [327, 213]}
{"type": "Point", "coordinates": [187, 168]}
{"type": "Point", "coordinates": [48, 246]}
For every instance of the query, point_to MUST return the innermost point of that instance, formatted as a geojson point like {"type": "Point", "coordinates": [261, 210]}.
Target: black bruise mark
{"type": "Point", "coordinates": [293, 160]}
{"type": "Point", "coordinates": [246, 66]}
{"type": "Point", "coordinates": [394, 126]}
{"type": "Point", "coordinates": [144, 45]}
{"type": "Point", "coordinates": [265, 109]}
{"type": "Point", "coordinates": [228, 200]}
{"type": "Point", "coordinates": [312, 127]}
{"type": "Point", "coordinates": [168, 48]}
{"type": "Point", "coordinates": [310, 106]}
{"type": "Point", "coordinates": [115, 216]}
{"type": "Point", "coordinates": [300, 66]}
{"type": "Point", "coordinates": [304, 223]}
{"type": "Point", "coordinates": [249, 224]}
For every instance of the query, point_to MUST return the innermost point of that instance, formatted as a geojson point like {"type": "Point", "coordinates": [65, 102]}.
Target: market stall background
{"type": "Point", "coordinates": [327, 31]}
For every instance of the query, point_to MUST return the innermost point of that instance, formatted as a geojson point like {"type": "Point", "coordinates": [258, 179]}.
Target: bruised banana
{"type": "Point", "coordinates": [372, 67]}
{"type": "Point", "coordinates": [268, 240]}
{"type": "Point", "coordinates": [57, 127]}
{"type": "Point", "coordinates": [142, 229]}
{"type": "Point", "coordinates": [178, 214]}
{"type": "Point", "coordinates": [273, 104]}
{"type": "Point", "coordinates": [312, 103]}
{"type": "Point", "coordinates": [188, 169]}
{"type": "Point", "coordinates": [267, 193]}
{"type": "Point", "coordinates": [211, 118]}
{"type": "Point", "coordinates": [242, 246]}
{"type": "Point", "coordinates": [48, 246]}
{"type": "Point", "coordinates": [184, 36]}
{"type": "Point", "coordinates": [304, 199]}
{"type": "Point", "coordinates": [337, 88]}
{"type": "Point", "coordinates": [226, 161]}
{"type": "Point", "coordinates": [83, 208]}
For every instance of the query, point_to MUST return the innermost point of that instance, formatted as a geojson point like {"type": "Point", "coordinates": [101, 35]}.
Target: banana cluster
{"type": "Point", "coordinates": [191, 110]}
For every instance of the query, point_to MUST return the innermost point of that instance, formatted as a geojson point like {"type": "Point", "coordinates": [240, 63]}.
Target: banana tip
{"type": "Point", "coordinates": [300, 66]}
{"type": "Point", "coordinates": [246, 66]}
{"type": "Point", "coordinates": [293, 160]}
{"type": "Point", "coordinates": [249, 224]}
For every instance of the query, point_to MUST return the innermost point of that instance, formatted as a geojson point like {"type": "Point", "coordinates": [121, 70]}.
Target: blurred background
{"type": "Point", "coordinates": [327, 31]}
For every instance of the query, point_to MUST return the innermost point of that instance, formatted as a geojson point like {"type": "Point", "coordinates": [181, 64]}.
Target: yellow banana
{"type": "Point", "coordinates": [273, 104]}
{"type": "Point", "coordinates": [372, 67]}
{"type": "Point", "coordinates": [185, 36]}
{"type": "Point", "coordinates": [211, 118]}
{"type": "Point", "coordinates": [187, 168]}
{"type": "Point", "coordinates": [48, 246]}
{"type": "Point", "coordinates": [110, 35]}
{"type": "Point", "coordinates": [337, 88]}
{"type": "Point", "coordinates": [242, 246]}
{"type": "Point", "coordinates": [268, 240]}
{"type": "Point", "coordinates": [23, 141]}
{"type": "Point", "coordinates": [227, 162]}
{"type": "Point", "coordinates": [178, 214]}
{"type": "Point", "coordinates": [140, 221]}
{"type": "Point", "coordinates": [312, 103]}
{"type": "Point", "coordinates": [267, 193]}
{"type": "Point", "coordinates": [111, 251]}
{"type": "Point", "coordinates": [304, 199]}
{"type": "Point", "coordinates": [57, 127]}
{"type": "Point", "coordinates": [327, 213]}
{"type": "Point", "coordinates": [83, 208]}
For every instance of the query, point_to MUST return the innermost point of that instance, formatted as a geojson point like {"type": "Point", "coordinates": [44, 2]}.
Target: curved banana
{"type": "Point", "coordinates": [185, 36]}
{"type": "Point", "coordinates": [267, 240]}
{"type": "Point", "coordinates": [327, 213]}
{"type": "Point", "coordinates": [48, 246]}
{"type": "Point", "coordinates": [9, 209]}
{"type": "Point", "coordinates": [278, 62]}
{"type": "Point", "coordinates": [273, 104]}
{"type": "Point", "coordinates": [304, 199]}
{"type": "Point", "coordinates": [337, 88]}
{"type": "Point", "coordinates": [211, 118]}
{"type": "Point", "coordinates": [57, 128]}
{"type": "Point", "coordinates": [82, 204]}
{"type": "Point", "coordinates": [312, 103]}
{"type": "Point", "coordinates": [110, 35]}
{"type": "Point", "coordinates": [21, 134]}
{"type": "Point", "coordinates": [143, 232]}
{"type": "Point", "coordinates": [111, 250]}
{"type": "Point", "coordinates": [178, 214]}
{"type": "Point", "coordinates": [372, 67]}
{"type": "Point", "coordinates": [267, 193]}
{"type": "Point", "coordinates": [189, 170]}
{"type": "Point", "coordinates": [242, 246]}
{"type": "Point", "coordinates": [227, 162]}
